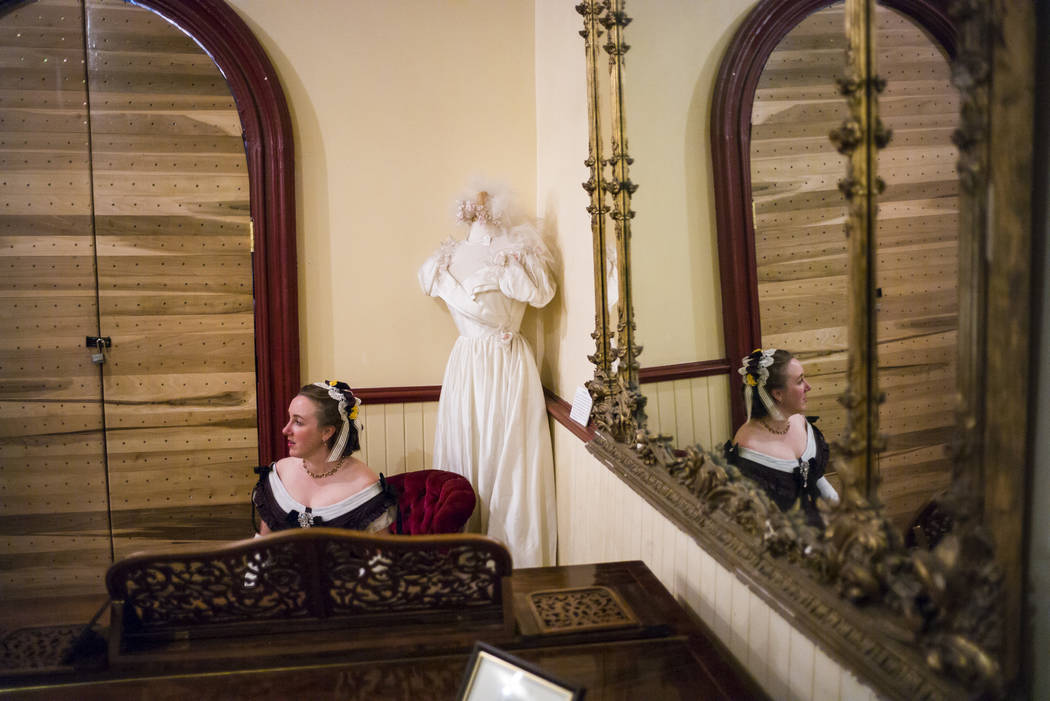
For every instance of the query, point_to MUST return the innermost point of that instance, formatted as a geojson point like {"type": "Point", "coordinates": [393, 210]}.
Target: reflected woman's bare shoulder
{"type": "Point", "coordinates": [745, 435]}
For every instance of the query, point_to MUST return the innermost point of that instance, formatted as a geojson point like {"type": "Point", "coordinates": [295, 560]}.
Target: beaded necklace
{"type": "Point", "coordinates": [322, 475]}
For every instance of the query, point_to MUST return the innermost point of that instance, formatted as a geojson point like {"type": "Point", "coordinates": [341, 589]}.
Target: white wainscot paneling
{"type": "Point", "coordinates": [601, 519]}
{"type": "Point", "coordinates": [693, 410]}
{"type": "Point", "coordinates": [398, 437]}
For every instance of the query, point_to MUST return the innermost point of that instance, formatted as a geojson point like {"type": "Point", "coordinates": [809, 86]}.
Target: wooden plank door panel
{"type": "Point", "coordinates": [918, 266]}
{"type": "Point", "coordinates": [175, 287]}
{"type": "Point", "coordinates": [54, 529]}
{"type": "Point", "coordinates": [800, 249]}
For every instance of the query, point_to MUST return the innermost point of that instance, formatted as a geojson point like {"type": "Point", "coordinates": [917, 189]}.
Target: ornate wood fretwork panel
{"type": "Point", "coordinates": [313, 575]}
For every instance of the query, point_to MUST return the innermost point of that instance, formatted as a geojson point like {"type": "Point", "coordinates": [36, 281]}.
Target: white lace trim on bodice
{"type": "Point", "coordinates": [782, 464]}
{"type": "Point", "coordinates": [288, 503]}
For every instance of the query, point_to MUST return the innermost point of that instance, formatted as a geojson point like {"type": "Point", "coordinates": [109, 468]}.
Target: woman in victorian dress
{"type": "Point", "coordinates": [492, 419]}
{"type": "Point", "coordinates": [320, 483]}
{"type": "Point", "coordinates": [779, 448]}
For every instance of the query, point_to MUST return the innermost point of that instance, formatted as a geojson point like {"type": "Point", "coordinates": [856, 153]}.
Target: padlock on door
{"type": "Point", "coordinates": [101, 343]}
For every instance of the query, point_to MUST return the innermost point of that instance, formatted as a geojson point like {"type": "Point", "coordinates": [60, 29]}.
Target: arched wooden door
{"type": "Point", "coordinates": [127, 215]}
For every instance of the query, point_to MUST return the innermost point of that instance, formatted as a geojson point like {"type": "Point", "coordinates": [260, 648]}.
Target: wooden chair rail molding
{"type": "Point", "coordinates": [685, 371]}
{"type": "Point", "coordinates": [398, 395]}
{"type": "Point", "coordinates": [557, 407]}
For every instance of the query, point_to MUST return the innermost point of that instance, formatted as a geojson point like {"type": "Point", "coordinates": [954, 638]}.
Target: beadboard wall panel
{"type": "Point", "coordinates": [398, 437]}
{"type": "Point", "coordinates": [693, 410]}
{"type": "Point", "coordinates": [601, 519]}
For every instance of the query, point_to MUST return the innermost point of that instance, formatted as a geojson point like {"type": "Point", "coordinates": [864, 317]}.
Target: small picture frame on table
{"type": "Point", "coordinates": [495, 674]}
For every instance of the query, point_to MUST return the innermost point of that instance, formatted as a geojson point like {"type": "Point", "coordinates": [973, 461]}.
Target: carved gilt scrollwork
{"type": "Point", "coordinates": [618, 405]}
{"type": "Point", "coordinates": [601, 386]}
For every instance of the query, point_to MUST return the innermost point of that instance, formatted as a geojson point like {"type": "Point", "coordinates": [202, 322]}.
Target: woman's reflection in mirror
{"type": "Point", "coordinates": [779, 447]}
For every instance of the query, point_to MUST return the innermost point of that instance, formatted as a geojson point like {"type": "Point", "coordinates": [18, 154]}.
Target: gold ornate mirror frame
{"type": "Point", "coordinates": [913, 623]}
{"type": "Point", "coordinates": [614, 388]}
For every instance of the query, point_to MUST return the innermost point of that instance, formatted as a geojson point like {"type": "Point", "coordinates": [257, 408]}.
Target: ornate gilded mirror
{"type": "Point", "coordinates": [900, 274]}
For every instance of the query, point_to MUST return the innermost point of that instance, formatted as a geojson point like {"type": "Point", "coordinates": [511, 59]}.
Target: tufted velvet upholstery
{"type": "Point", "coordinates": [432, 501]}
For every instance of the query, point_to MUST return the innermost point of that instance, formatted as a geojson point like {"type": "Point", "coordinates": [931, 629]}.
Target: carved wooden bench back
{"type": "Point", "coordinates": [296, 579]}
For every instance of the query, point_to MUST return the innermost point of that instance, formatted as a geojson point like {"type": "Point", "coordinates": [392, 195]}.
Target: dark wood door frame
{"type": "Point", "coordinates": [267, 129]}
{"type": "Point", "coordinates": [734, 96]}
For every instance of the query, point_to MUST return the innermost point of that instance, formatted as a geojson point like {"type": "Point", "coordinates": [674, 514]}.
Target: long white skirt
{"type": "Point", "coordinates": [492, 428]}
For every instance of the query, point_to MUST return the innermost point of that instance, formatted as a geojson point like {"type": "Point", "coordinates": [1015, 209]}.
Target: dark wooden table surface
{"type": "Point", "coordinates": [665, 654]}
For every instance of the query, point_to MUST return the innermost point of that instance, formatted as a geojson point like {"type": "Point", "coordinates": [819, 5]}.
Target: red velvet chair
{"type": "Point", "coordinates": [432, 501]}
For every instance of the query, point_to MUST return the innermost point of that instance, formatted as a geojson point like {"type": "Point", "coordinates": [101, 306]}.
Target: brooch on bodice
{"type": "Point", "coordinates": [803, 467]}
{"type": "Point", "coordinates": [306, 520]}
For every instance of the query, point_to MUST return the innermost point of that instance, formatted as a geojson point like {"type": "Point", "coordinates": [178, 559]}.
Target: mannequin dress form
{"type": "Point", "coordinates": [492, 419]}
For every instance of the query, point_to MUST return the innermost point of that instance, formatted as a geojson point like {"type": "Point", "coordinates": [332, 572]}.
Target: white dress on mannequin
{"type": "Point", "coordinates": [492, 418]}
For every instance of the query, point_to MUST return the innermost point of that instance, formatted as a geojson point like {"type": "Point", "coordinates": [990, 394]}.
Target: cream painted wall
{"type": "Point", "coordinates": [413, 96]}
{"type": "Point", "coordinates": [676, 49]}
{"type": "Point", "coordinates": [564, 326]}
{"type": "Point", "coordinates": [394, 104]}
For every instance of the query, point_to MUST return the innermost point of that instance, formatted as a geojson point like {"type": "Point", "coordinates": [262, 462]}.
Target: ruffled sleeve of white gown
{"type": "Point", "coordinates": [432, 268]}
{"type": "Point", "coordinates": [524, 265]}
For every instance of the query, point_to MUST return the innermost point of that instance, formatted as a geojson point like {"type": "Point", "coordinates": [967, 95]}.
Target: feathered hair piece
{"type": "Point", "coordinates": [348, 403]}
{"type": "Point", "coordinates": [755, 371]}
{"type": "Point", "coordinates": [500, 206]}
